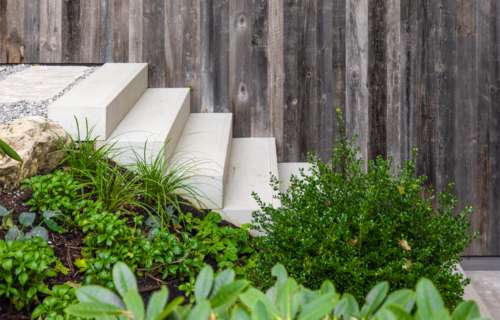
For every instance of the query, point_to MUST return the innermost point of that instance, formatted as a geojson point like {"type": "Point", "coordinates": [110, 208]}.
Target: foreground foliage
{"type": "Point", "coordinates": [25, 265]}
{"type": "Point", "coordinates": [222, 297]}
{"type": "Point", "coordinates": [359, 227]}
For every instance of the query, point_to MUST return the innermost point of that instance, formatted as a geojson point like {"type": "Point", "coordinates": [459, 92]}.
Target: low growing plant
{"type": "Point", "coordinates": [25, 266]}
{"type": "Point", "coordinates": [57, 192]}
{"type": "Point", "coordinates": [359, 227]}
{"type": "Point", "coordinates": [52, 307]}
{"type": "Point", "coordinates": [222, 297]}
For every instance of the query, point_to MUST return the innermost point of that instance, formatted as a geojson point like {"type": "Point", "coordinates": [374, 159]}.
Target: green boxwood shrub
{"type": "Point", "coordinates": [358, 227]}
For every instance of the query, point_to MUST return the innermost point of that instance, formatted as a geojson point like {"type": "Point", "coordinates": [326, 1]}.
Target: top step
{"type": "Point", "coordinates": [103, 99]}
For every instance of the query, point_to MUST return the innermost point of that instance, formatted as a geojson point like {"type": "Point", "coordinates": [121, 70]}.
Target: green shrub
{"type": "Point", "coordinates": [222, 297]}
{"type": "Point", "coordinates": [52, 307]}
{"type": "Point", "coordinates": [25, 265]}
{"type": "Point", "coordinates": [360, 227]}
{"type": "Point", "coordinates": [57, 191]}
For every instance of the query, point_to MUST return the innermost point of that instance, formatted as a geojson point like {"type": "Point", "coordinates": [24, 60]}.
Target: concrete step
{"type": "Point", "coordinates": [287, 169]}
{"type": "Point", "coordinates": [103, 99]}
{"type": "Point", "coordinates": [251, 164]}
{"type": "Point", "coordinates": [204, 147]}
{"type": "Point", "coordinates": [152, 126]}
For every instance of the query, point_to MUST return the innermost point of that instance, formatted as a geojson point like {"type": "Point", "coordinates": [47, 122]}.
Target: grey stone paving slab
{"type": "Point", "coordinates": [486, 285]}
{"type": "Point", "coordinates": [38, 83]}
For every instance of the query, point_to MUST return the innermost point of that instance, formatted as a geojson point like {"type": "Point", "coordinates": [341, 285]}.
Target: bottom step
{"type": "Point", "coordinates": [251, 164]}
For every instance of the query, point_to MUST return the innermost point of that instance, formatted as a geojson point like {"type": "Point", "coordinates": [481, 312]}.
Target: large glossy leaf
{"type": "Point", "coordinates": [6, 149]}
{"type": "Point", "coordinates": [393, 312]}
{"type": "Point", "coordinates": [94, 310]}
{"type": "Point", "coordinates": [157, 303]}
{"type": "Point", "coordinates": [285, 299]}
{"type": "Point", "coordinates": [124, 279]}
{"type": "Point", "coordinates": [98, 294]}
{"type": "Point", "coordinates": [319, 307]}
{"type": "Point", "coordinates": [201, 310]}
{"type": "Point", "coordinates": [252, 296]}
{"type": "Point", "coordinates": [347, 307]}
{"type": "Point", "coordinates": [170, 308]}
{"type": "Point", "coordinates": [429, 302]}
{"type": "Point", "coordinates": [403, 298]}
{"type": "Point", "coordinates": [204, 283]}
{"type": "Point", "coordinates": [27, 218]}
{"type": "Point", "coordinates": [222, 278]}
{"type": "Point", "coordinates": [280, 273]}
{"type": "Point", "coordinates": [239, 313]}
{"type": "Point", "coordinates": [133, 303]}
{"type": "Point", "coordinates": [261, 312]}
{"type": "Point", "coordinates": [466, 310]}
{"type": "Point", "coordinates": [375, 298]}
{"type": "Point", "coordinates": [228, 294]}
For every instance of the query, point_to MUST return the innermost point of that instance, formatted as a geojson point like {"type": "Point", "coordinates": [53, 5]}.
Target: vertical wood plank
{"type": "Point", "coordinates": [135, 30]}
{"type": "Point", "coordinates": [241, 72]}
{"type": "Point", "coordinates": [339, 59]}
{"type": "Point", "coordinates": [466, 115]}
{"type": "Point", "coordinates": [154, 41]}
{"type": "Point", "coordinates": [50, 31]}
{"type": "Point", "coordinates": [325, 134]}
{"type": "Point", "coordinates": [377, 79]}
{"type": "Point", "coordinates": [14, 42]}
{"type": "Point", "coordinates": [105, 31]}
{"type": "Point", "coordinates": [276, 72]}
{"type": "Point", "coordinates": [260, 115]}
{"type": "Point", "coordinates": [3, 31]}
{"type": "Point", "coordinates": [220, 56]}
{"type": "Point", "coordinates": [71, 27]}
{"type": "Point", "coordinates": [357, 107]}
{"type": "Point", "coordinates": [119, 30]}
{"type": "Point", "coordinates": [394, 54]}
{"type": "Point", "coordinates": [31, 30]}
{"type": "Point", "coordinates": [207, 48]}
{"type": "Point", "coordinates": [90, 17]}
{"type": "Point", "coordinates": [486, 216]}
{"type": "Point", "coordinates": [292, 110]}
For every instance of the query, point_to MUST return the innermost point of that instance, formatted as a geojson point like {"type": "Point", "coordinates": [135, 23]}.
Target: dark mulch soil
{"type": "Point", "coordinates": [67, 247]}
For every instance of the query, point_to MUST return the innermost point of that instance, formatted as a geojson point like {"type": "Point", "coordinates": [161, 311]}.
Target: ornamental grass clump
{"type": "Point", "coordinates": [358, 227]}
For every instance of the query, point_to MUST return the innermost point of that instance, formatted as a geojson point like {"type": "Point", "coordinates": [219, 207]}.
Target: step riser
{"type": "Point", "coordinates": [153, 126]}
{"type": "Point", "coordinates": [102, 100]}
{"type": "Point", "coordinates": [205, 146]}
{"type": "Point", "coordinates": [252, 162]}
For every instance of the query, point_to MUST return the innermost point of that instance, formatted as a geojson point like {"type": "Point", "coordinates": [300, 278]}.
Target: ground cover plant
{"type": "Point", "coordinates": [94, 213]}
{"type": "Point", "coordinates": [221, 296]}
{"type": "Point", "coordinates": [359, 227]}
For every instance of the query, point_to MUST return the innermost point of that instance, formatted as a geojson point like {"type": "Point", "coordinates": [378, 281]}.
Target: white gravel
{"type": "Point", "coordinates": [23, 108]}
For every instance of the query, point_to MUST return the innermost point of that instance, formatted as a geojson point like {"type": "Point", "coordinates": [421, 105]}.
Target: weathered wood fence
{"type": "Point", "coordinates": [407, 73]}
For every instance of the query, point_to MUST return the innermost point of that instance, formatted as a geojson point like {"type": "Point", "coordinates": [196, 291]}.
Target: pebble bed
{"type": "Point", "coordinates": [12, 111]}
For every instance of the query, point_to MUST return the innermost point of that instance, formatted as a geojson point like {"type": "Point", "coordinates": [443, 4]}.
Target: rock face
{"type": "Point", "coordinates": [38, 141]}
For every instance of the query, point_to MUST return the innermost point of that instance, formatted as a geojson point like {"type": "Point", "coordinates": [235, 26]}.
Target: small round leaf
{"type": "Point", "coordinates": [27, 218]}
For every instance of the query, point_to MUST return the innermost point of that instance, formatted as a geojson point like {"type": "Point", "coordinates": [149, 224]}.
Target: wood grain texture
{"type": "Point", "coordinates": [50, 31]}
{"type": "Point", "coordinates": [357, 95]}
{"type": "Point", "coordinates": [406, 74]}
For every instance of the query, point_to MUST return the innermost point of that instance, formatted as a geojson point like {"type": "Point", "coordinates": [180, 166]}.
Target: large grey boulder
{"type": "Point", "coordinates": [38, 141]}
